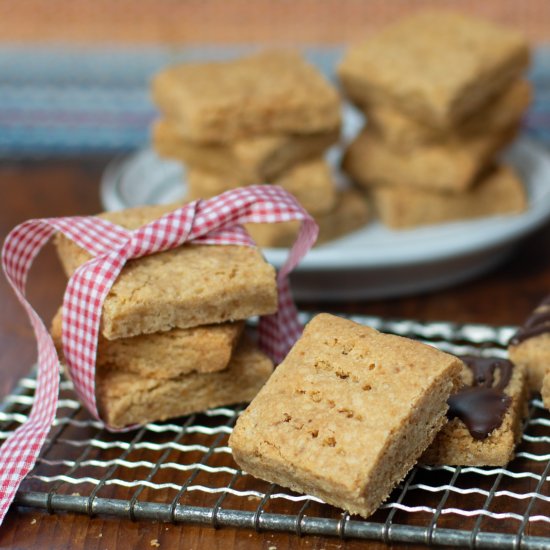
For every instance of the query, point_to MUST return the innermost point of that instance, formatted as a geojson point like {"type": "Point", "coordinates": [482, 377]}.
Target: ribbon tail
{"type": "Point", "coordinates": [279, 332]}
{"type": "Point", "coordinates": [18, 454]}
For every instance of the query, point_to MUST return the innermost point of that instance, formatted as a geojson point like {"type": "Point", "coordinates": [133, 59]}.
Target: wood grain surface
{"type": "Point", "coordinates": [54, 188]}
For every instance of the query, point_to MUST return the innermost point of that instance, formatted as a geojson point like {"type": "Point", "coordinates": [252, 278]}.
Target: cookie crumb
{"type": "Point", "coordinates": [33, 521]}
{"type": "Point", "coordinates": [155, 543]}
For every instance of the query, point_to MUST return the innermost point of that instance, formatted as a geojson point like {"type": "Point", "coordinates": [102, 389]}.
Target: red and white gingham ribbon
{"type": "Point", "coordinates": [215, 221]}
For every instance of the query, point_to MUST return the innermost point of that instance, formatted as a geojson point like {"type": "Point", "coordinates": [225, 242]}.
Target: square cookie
{"type": "Point", "coordinates": [530, 346]}
{"type": "Point", "coordinates": [347, 414]}
{"type": "Point", "coordinates": [497, 193]}
{"type": "Point", "coordinates": [311, 182]}
{"type": "Point", "coordinates": [251, 160]}
{"type": "Point", "coordinates": [166, 354]}
{"type": "Point", "coordinates": [350, 214]}
{"type": "Point", "coordinates": [401, 132]}
{"type": "Point", "coordinates": [484, 417]}
{"type": "Point", "coordinates": [184, 287]}
{"type": "Point", "coordinates": [439, 67]}
{"type": "Point", "coordinates": [450, 167]}
{"type": "Point", "coordinates": [124, 398]}
{"type": "Point", "coordinates": [267, 93]}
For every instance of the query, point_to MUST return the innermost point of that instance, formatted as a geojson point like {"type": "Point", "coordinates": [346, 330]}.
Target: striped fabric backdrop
{"type": "Point", "coordinates": [74, 75]}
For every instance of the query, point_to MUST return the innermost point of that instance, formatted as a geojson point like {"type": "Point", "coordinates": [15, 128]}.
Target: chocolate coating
{"type": "Point", "coordinates": [482, 405]}
{"type": "Point", "coordinates": [483, 370]}
{"type": "Point", "coordinates": [481, 409]}
{"type": "Point", "coordinates": [537, 323]}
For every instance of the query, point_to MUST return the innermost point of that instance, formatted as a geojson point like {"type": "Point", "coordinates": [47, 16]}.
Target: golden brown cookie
{"type": "Point", "coordinates": [439, 67]}
{"type": "Point", "coordinates": [311, 182]}
{"type": "Point", "coordinates": [347, 414]}
{"type": "Point", "coordinates": [184, 287]}
{"type": "Point", "coordinates": [124, 398]}
{"type": "Point", "coordinates": [456, 445]}
{"type": "Point", "coordinates": [403, 133]}
{"type": "Point", "coordinates": [402, 207]}
{"type": "Point", "coordinates": [251, 160]}
{"type": "Point", "coordinates": [166, 354]}
{"type": "Point", "coordinates": [451, 167]}
{"type": "Point", "coordinates": [272, 92]}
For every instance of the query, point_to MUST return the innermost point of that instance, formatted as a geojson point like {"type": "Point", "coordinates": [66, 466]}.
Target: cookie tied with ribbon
{"type": "Point", "coordinates": [216, 221]}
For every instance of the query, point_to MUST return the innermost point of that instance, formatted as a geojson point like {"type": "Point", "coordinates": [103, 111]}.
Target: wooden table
{"type": "Point", "coordinates": [55, 188]}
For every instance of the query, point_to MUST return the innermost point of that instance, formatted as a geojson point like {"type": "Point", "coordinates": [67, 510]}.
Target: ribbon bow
{"type": "Point", "coordinates": [215, 221]}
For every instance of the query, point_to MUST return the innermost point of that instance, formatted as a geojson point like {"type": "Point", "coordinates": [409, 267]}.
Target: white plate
{"type": "Point", "coordinates": [374, 262]}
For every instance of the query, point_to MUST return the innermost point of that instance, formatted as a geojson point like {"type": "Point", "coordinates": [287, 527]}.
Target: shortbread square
{"type": "Point", "coordinates": [456, 445]}
{"type": "Point", "coordinates": [311, 182]}
{"type": "Point", "coordinates": [166, 354]}
{"type": "Point", "coordinates": [184, 287]}
{"type": "Point", "coordinates": [451, 167]}
{"type": "Point", "coordinates": [347, 414]}
{"type": "Point", "coordinates": [530, 346]}
{"type": "Point", "coordinates": [500, 192]}
{"type": "Point", "coordinates": [403, 133]}
{"type": "Point", "coordinates": [439, 67]}
{"type": "Point", "coordinates": [267, 93]}
{"type": "Point", "coordinates": [124, 398]}
{"type": "Point", "coordinates": [250, 160]}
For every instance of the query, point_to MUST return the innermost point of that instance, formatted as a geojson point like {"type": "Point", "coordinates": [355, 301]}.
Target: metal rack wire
{"type": "Point", "coordinates": [183, 471]}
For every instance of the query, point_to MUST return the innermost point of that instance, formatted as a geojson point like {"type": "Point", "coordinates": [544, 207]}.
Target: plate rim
{"type": "Point", "coordinates": [328, 257]}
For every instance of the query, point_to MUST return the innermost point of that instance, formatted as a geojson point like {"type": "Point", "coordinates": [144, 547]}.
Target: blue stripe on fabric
{"type": "Point", "coordinates": [59, 100]}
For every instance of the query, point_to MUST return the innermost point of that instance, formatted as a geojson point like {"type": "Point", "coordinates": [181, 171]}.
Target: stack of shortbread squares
{"type": "Point", "coordinates": [171, 335]}
{"type": "Point", "coordinates": [266, 118]}
{"type": "Point", "coordinates": [442, 94]}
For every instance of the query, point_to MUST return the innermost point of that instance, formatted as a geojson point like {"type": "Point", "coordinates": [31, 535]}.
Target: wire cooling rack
{"type": "Point", "coordinates": [183, 471]}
